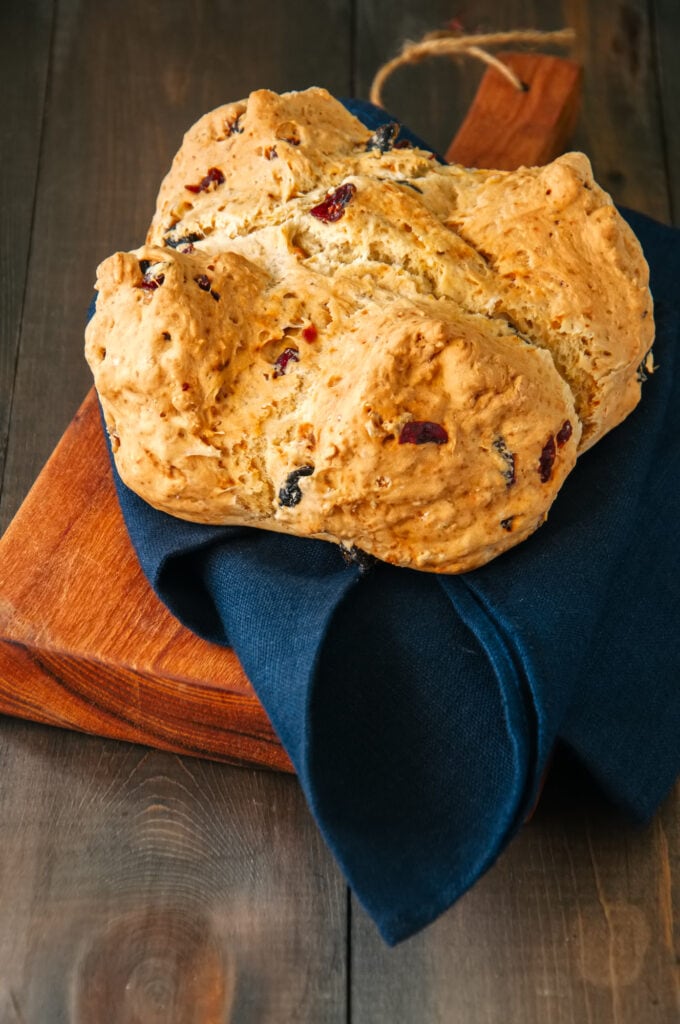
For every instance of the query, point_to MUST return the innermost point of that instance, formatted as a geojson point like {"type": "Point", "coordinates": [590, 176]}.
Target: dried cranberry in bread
{"type": "Point", "coordinates": [330, 334]}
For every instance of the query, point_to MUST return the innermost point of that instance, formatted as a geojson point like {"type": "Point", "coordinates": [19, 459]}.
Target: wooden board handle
{"type": "Point", "coordinates": [505, 128]}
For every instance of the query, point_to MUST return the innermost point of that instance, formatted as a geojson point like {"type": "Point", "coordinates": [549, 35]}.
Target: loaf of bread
{"type": "Point", "coordinates": [329, 333]}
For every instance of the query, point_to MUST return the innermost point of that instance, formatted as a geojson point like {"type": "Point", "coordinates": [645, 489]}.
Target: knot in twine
{"type": "Point", "coordinates": [452, 44]}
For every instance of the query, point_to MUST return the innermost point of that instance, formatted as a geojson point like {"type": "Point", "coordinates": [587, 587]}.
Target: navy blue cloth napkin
{"type": "Point", "coordinates": [420, 711]}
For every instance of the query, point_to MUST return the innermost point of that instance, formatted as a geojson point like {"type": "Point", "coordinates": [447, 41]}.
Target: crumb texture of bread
{"type": "Point", "coordinates": [328, 333]}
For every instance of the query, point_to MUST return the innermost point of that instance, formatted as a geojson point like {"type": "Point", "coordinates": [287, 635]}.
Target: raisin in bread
{"type": "Point", "coordinates": [328, 333]}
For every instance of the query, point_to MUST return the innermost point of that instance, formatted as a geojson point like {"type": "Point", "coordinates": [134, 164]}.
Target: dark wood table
{"type": "Point", "coordinates": [139, 887]}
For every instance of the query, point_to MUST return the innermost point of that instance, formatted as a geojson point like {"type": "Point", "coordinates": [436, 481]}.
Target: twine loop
{"type": "Point", "coordinates": [445, 43]}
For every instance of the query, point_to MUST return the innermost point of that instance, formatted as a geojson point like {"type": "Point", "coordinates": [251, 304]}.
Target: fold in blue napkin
{"type": "Point", "coordinates": [420, 711]}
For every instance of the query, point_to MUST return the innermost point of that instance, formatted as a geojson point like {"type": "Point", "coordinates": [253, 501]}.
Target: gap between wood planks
{"type": "Point", "coordinates": [18, 328]}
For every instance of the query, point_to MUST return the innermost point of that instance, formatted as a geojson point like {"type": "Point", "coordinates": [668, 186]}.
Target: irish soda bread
{"type": "Point", "coordinates": [330, 334]}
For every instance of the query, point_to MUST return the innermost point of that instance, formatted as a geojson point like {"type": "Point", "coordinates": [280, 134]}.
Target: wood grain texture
{"type": "Point", "coordinates": [23, 74]}
{"type": "Point", "coordinates": [139, 887]}
{"type": "Point", "coordinates": [123, 667]}
{"type": "Point", "coordinates": [505, 128]}
{"type": "Point", "coordinates": [85, 643]}
{"type": "Point", "coordinates": [620, 124]}
{"type": "Point", "coordinates": [573, 924]}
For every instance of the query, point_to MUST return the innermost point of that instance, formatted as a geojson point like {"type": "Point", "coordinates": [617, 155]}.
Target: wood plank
{"type": "Point", "coordinates": [619, 126]}
{"type": "Point", "coordinates": [666, 22]}
{"type": "Point", "coordinates": [139, 886]}
{"type": "Point", "coordinates": [127, 669]}
{"type": "Point", "coordinates": [23, 74]}
{"type": "Point", "coordinates": [574, 923]}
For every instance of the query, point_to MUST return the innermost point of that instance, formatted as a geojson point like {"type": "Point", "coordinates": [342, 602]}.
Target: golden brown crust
{"type": "Point", "coordinates": [405, 370]}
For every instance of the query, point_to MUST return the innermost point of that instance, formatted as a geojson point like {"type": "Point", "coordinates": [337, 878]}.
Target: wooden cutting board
{"type": "Point", "coordinates": [84, 642]}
